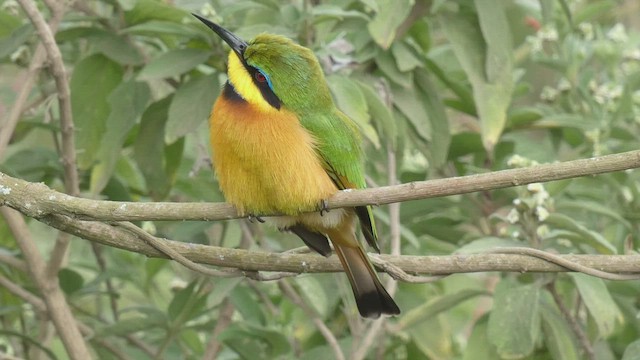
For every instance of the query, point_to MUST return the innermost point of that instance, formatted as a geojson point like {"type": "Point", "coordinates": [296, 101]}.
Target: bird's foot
{"type": "Point", "coordinates": [324, 207]}
{"type": "Point", "coordinates": [253, 218]}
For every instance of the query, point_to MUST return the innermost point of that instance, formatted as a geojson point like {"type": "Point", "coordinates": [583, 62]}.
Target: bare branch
{"type": "Point", "coordinates": [13, 261]}
{"type": "Point", "coordinates": [57, 306]}
{"type": "Point", "coordinates": [587, 348]}
{"type": "Point", "coordinates": [39, 57]}
{"type": "Point", "coordinates": [37, 200]}
{"type": "Point", "coordinates": [64, 94]}
{"type": "Point", "coordinates": [214, 345]}
{"type": "Point", "coordinates": [46, 205]}
{"type": "Point", "coordinates": [313, 263]}
{"type": "Point", "coordinates": [22, 293]}
{"type": "Point", "coordinates": [291, 293]}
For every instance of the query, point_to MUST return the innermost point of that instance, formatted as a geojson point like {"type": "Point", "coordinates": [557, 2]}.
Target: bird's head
{"type": "Point", "coordinates": [273, 72]}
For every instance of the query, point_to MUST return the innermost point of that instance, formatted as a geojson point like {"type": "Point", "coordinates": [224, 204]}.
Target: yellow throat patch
{"type": "Point", "coordinates": [241, 80]}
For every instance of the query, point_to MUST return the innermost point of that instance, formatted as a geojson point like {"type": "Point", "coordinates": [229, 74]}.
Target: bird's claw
{"type": "Point", "coordinates": [253, 218]}
{"type": "Point", "coordinates": [324, 207]}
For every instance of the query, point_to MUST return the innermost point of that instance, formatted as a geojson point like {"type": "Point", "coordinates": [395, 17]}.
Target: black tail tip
{"type": "Point", "coordinates": [372, 305]}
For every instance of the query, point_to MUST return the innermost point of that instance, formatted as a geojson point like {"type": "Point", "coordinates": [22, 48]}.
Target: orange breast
{"type": "Point", "coordinates": [266, 162]}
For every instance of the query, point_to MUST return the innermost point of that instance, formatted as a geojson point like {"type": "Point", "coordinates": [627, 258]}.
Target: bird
{"type": "Point", "coordinates": [281, 146]}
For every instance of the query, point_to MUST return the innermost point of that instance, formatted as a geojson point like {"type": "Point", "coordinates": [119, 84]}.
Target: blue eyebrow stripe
{"type": "Point", "coordinates": [266, 76]}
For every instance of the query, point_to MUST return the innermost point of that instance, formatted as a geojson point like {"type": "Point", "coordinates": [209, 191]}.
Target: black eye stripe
{"type": "Point", "coordinates": [268, 94]}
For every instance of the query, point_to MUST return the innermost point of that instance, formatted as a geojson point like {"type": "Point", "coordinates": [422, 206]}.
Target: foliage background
{"type": "Point", "coordinates": [439, 89]}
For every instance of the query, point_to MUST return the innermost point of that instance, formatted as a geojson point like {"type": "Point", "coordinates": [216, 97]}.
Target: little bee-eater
{"type": "Point", "coordinates": [280, 146]}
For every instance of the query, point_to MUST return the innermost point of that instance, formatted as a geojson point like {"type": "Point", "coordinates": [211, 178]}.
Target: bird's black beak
{"type": "Point", "coordinates": [237, 45]}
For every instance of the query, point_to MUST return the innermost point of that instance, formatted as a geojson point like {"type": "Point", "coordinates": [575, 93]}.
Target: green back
{"type": "Point", "coordinates": [296, 78]}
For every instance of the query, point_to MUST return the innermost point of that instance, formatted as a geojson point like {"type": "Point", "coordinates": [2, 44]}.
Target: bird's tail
{"type": "Point", "coordinates": [371, 297]}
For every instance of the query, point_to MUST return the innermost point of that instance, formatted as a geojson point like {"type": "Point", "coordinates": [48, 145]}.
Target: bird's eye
{"type": "Point", "coordinates": [260, 77]}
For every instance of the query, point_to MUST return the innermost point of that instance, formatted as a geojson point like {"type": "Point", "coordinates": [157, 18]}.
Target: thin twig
{"type": "Point", "coordinates": [39, 58]}
{"type": "Point", "coordinates": [64, 94]}
{"type": "Point", "coordinates": [577, 329]}
{"type": "Point", "coordinates": [44, 201]}
{"type": "Point", "coordinates": [13, 262]}
{"type": "Point", "coordinates": [57, 307]}
{"type": "Point", "coordinates": [167, 250]}
{"type": "Point", "coordinates": [291, 293]}
{"type": "Point", "coordinates": [254, 261]}
{"type": "Point", "coordinates": [224, 319]}
{"type": "Point", "coordinates": [163, 247]}
{"type": "Point", "coordinates": [561, 261]}
{"type": "Point", "coordinates": [22, 293]}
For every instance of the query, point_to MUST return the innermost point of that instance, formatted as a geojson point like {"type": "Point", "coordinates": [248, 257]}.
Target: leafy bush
{"type": "Point", "coordinates": [438, 88]}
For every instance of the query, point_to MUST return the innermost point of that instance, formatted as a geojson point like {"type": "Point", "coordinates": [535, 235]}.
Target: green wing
{"type": "Point", "coordinates": [338, 141]}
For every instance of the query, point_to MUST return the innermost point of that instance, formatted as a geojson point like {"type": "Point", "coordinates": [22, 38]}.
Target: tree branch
{"type": "Point", "coordinates": [312, 263]}
{"type": "Point", "coordinates": [57, 307]}
{"type": "Point", "coordinates": [37, 200]}
{"type": "Point", "coordinates": [63, 212]}
{"type": "Point", "coordinates": [64, 94]}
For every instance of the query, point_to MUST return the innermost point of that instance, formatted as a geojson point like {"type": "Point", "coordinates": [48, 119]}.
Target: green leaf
{"type": "Point", "coordinates": [421, 34]}
{"type": "Point", "coordinates": [486, 243]}
{"type": "Point", "coordinates": [436, 306]}
{"type": "Point", "coordinates": [482, 44]}
{"type": "Point", "coordinates": [380, 114]}
{"type": "Point", "coordinates": [24, 340]}
{"type": "Point", "coordinates": [17, 37]}
{"type": "Point", "coordinates": [589, 237]}
{"type": "Point", "coordinates": [388, 66]}
{"type": "Point", "coordinates": [191, 339]}
{"type": "Point", "coordinates": [514, 322]}
{"type": "Point", "coordinates": [632, 352]}
{"type": "Point", "coordinates": [155, 28]}
{"type": "Point", "coordinates": [325, 12]}
{"type": "Point", "coordinates": [152, 267]}
{"type": "Point", "coordinates": [147, 148]}
{"type": "Point", "coordinates": [461, 91]}
{"type": "Point", "coordinates": [127, 103]}
{"type": "Point", "coordinates": [223, 287]}
{"type": "Point", "coordinates": [598, 300]}
{"type": "Point", "coordinates": [191, 105]}
{"type": "Point", "coordinates": [591, 11]}
{"type": "Point", "coordinates": [577, 121]}
{"type": "Point", "coordinates": [128, 172]}
{"type": "Point", "coordinates": [33, 164]}
{"type": "Point", "coordinates": [594, 207]}
{"type": "Point", "coordinates": [353, 103]}
{"type": "Point", "coordinates": [70, 280]}
{"type": "Point", "coordinates": [465, 143]}
{"type": "Point", "coordinates": [116, 48]}
{"type": "Point", "coordinates": [440, 133]}
{"type": "Point", "coordinates": [313, 293]}
{"type": "Point", "coordinates": [255, 342]}
{"type": "Point", "coordinates": [130, 325]}
{"type": "Point", "coordinates": [389, 16]}
{"type": "Point", "coordinates": [93, 80]}
{"type": "Point", "coordinates": [173, 63]}
{"type": "Point", "coordinates": [244, 302]}
{"type": "Point", "coordinates": [147, 10]}
{"type": "Point", "coordinates": [405, 57]}
{"type": "Point", "coordinates": [431, 340]}
{"type": "Point", "coordinates": [9, 22]}
{"type": "Point", "coordinates": [479, 346]}
{"type": "Point", "coordinates": [409, 103]}
{"type": "Point", "coordinates": [524, 116]}
{"type": "Point", "coordinates": [180, 300]}
{"type": "Point", "coordinates": [558, 335]}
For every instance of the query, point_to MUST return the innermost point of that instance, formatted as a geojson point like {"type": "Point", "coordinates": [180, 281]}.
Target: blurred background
{"type": "Point", "coordinates": [438, 89]}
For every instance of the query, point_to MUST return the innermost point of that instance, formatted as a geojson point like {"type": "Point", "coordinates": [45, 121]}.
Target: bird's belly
{"type": "Point", "coordinates": [266, 164]}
